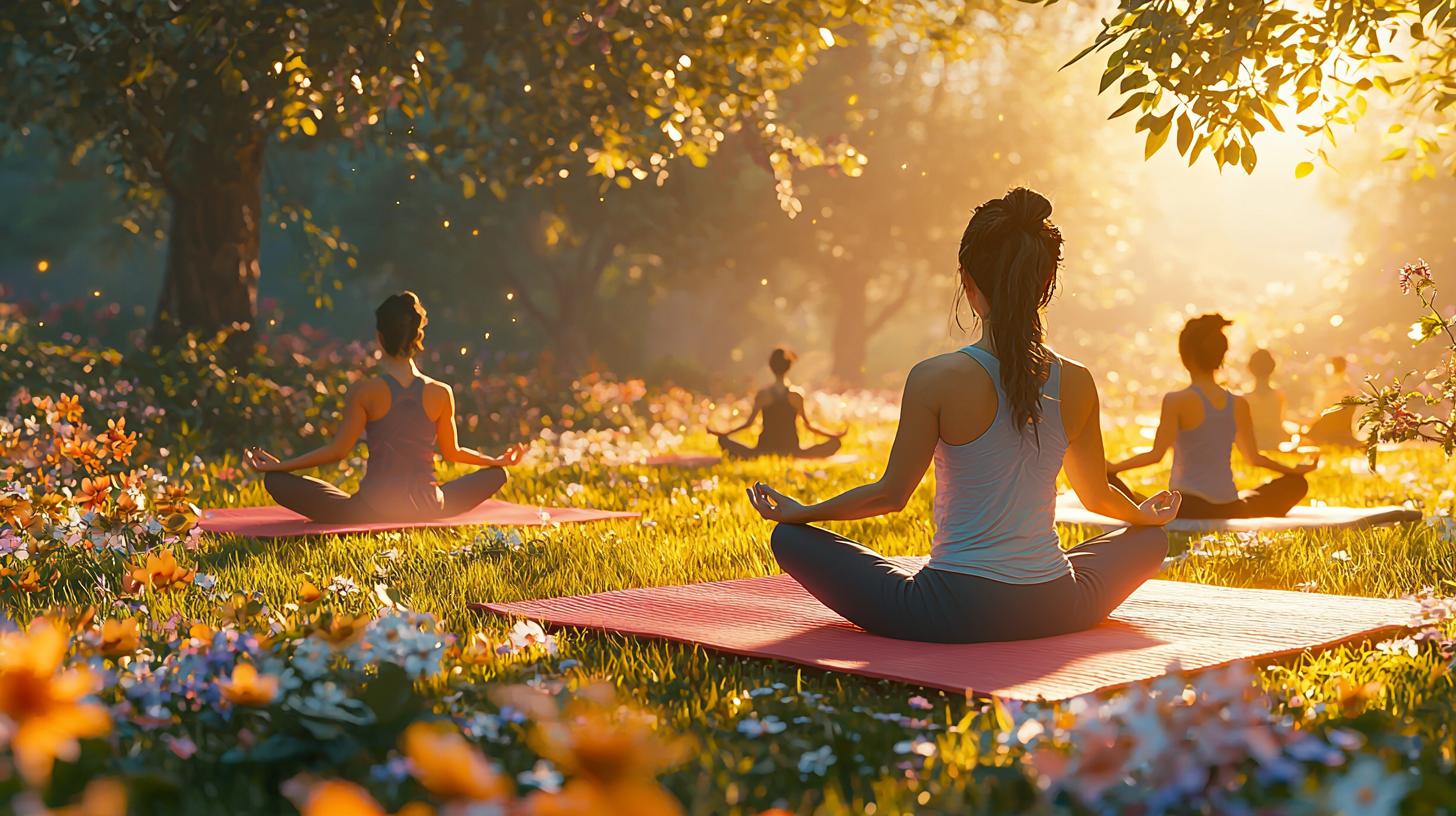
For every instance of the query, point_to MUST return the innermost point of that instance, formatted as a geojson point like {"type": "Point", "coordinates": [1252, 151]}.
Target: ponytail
{"type": "Point", "coordinates": [1012, 252]}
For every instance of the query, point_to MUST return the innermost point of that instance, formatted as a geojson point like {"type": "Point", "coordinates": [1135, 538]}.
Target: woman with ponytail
{"type": "Point", "coordinates": [999, 419]}
{"type": "Point", "coordinates": [408, 417]}
{"type": "Point", "coordinates": [1202, 424]}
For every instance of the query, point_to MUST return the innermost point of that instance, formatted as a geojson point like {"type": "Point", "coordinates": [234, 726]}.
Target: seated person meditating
{"type": "Point", "coordinates": [404, 417]}
{"type": "Point", "coordinates": [781, 406]}
{"type": "Point", "coordinates": [1266, 403]}
{"type": "Point", "coordinates": [1000, 419]}
{"type": "Point", "coordinates": [1202, 424]}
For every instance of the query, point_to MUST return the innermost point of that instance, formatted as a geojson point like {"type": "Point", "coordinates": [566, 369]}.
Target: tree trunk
{"type": "Point", "coordinates": [851, 330]}
{"type": "Point", "coordinates": [211, 281]}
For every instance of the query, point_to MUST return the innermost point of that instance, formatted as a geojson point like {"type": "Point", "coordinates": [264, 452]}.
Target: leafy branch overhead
{"type": "Point", "coordinates": [1212, 76]}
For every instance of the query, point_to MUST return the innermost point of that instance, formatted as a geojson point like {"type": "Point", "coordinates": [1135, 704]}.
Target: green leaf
{"type": "Point", "coordinates": [1156, 139]}
{"type": "Point", "coordinates": [1128, 104]}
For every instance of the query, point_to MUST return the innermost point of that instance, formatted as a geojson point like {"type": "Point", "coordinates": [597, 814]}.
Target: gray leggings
{"type": "Point", "coordinates": [938, 606]}
{"type": "Point", "coordinates": [320, 501]}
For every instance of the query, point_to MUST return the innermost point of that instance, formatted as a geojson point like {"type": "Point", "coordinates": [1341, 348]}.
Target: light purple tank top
{"type": "Point", "coordinates": [1202, 457]}
{"type": "Point", "coordinates": [400, 477]}
{"type": "Point", "coordinates": [995, 496]}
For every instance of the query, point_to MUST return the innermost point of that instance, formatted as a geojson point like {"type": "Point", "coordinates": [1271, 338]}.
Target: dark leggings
{"type": "Point", "coordinates": [738, 450]}
{"type": "Point", "coordinates": [1272, 499]}
{"type": "Point", "coordinates": [938, 606]}
{"type": "Point", "coordinates": [318, 500]}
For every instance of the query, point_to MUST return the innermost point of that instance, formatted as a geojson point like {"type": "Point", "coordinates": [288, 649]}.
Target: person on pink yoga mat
{"type": "Point", "coordinates": [999, 419]}
{"type": "Point", "coordinates": [781, 407]}
{"type": "Point", "coordinates": [1202, 424]}
{"type": "Point", "coordinates": [405, 417]}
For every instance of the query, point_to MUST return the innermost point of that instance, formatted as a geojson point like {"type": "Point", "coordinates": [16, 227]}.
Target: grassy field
{"type": "Point", "coordinates": [1363, 728]}
{"type": "Point", "coordinates": [696, 526]}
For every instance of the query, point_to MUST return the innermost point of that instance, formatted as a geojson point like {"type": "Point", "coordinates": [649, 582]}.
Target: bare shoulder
{"type": "Point", "coordinates": [1076, 375]}
{"type": "Point", "coordinates": [951, 370]}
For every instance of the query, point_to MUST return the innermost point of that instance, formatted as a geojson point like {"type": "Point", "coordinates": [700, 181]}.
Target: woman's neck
{"type": "Point", "coordinates": [1203, 379]}
{"type": "Point", "coordinates": [401, 368]}
{"type": "Point", "coordinates": [781, 379]}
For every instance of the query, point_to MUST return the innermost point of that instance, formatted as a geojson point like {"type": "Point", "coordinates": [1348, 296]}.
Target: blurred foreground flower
{"type": "Point", "coordinates": [249, 688]}
{"type": "Point", "coordinates": [43, 710]}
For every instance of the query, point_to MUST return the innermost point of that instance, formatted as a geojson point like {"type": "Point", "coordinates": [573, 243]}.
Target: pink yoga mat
{"type": "Point", "coordinates": [278, 522]}
{"type": "Point", "coordinates": [1303, 517]}
{"type": "Point", "coordinates": [1165, 622]}
{"type": "Point", "coordinates": [706, 460]}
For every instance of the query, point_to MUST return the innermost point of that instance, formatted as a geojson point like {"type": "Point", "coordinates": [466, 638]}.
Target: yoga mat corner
{"type": "Point", "coordinates": [1164, 623]}
{"type": "Point", "coordinates": [279, 522]}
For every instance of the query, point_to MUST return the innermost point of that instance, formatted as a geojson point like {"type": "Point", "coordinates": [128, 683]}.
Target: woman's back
{"type": "Point", "coordinates": [780, 432]}
{"type": "Point", "coordinates": [1266, 409]}
{"type": "Point", "coordinates": [401, 446]}
{"type": "Point", "coordinates": [995, 495]}
{"type": "Point", "coordinates": [1203, 453]}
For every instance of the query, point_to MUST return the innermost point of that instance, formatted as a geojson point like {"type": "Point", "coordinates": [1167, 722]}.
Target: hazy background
{"type": "Point", "coordinates": [695, 281]}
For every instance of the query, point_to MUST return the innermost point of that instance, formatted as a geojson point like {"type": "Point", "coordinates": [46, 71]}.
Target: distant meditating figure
{"type": "Point", "coordinates": [1266, 403]}
{"type": "Point", "coordinates": [1335, 425]}
{"type": "Point", "coordinates": [1202, 424]}
{"type": "Point", "coordinates": [999, 420]}
{"type": "Point", "coordinates": [782, 408]}
{"type": "Point", "coordinates": [405, 418]}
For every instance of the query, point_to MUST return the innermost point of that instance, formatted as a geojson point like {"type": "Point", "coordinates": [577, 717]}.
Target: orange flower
{"type": "Point", "coordinates": [199, 631]}
{"type": "Point", "coordinates": [249, 688]}
{"type": "Point", "coordinates": [102, 797]}
{"type": "Point", "coordinates": [85, 451]}
{"type": "Point", "coordinates": [478, 650]}
{"type": "Point", "coordinates": [120, 637]}
{"type": "Point", "coordinates": [308, 593]}
{"type": "Point", "coordinates": [343, 630]}
{"type": "Point", "coordinates": [583, 798]}
{"type": "Point", "coordinates": [94, 493]}
{"type": "Point", "coordinates": [119, 444]}
{"type": "Point", "coordinates": [68, 408]}
{"type": "Point", "coordinates": [338, 798]}
{"type": "Point", "coordinates": [44, 703]}
{"type": "Point", "coordinates": [29, 581]}
{"type": "Point", "coordinates": [450, 767]}
{"type": "Point", "coordinates": [159, 572]}
{"type": "Point", "coordinates": [590, 742]}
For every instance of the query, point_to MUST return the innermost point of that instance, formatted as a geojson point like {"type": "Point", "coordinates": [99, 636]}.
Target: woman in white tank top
{"type": "Point", "coordinates": [999, 419]}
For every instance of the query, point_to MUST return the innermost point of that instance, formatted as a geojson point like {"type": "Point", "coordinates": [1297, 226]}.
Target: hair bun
{"type": "Point", "coordinates": [1026, 208]}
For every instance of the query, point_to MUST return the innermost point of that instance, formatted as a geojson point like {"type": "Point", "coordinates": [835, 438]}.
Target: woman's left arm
{"type": "Point", "coordinates": [1249, 447]}
{"type": "Point", "coordinates": [915, 441]}
{"type": "Point", "coordinates": [798, 402]}
{"type": "Point", "coordinates": [345, 437]}
{"type": "Point", "coordinates": [447, 438]}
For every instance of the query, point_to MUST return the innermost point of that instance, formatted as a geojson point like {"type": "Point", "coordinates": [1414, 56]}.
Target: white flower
{"type": "Point", "coordinates": [542, 776]}
{"type": "Point", "coordinates": [816, 762]}
{"type": "Point", "coordinates": [1340, 555]}
{"type": "Point", "coordinates": [1405, 645]}
{"type": "Point", "coordinates": [754, 727]}
{"type": "Point", "coordinates": [341, 585]}
{"type": "Point", "coordinates": [1366, 789]}
{"type": "Point", "coordinates": [920, 746]}
{"type": "Point", "coordinates": [529, 634]}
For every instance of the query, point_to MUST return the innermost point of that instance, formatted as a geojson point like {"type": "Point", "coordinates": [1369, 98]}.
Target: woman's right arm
{"type": "Point", "coordinates": [1162, 440]}
{"type": "Point", "coordinates": [752, 417]}
{"type": "Point", "coordinates": [1086, 463]}
{"type": "Point", "coordinates": [345, 437]}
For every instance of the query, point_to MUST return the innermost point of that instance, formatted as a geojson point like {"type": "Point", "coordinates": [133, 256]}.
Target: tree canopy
{"type": "Point", "coordinates": [1214, 75]}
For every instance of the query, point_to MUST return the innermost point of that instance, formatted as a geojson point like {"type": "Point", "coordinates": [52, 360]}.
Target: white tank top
{"type": "Point", "coordinates": [995, 496]}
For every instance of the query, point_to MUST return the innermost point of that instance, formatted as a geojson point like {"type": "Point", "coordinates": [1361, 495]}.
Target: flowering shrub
{"type": "Point", "coordinates": [1398, 412]}
{"type": "Point", "coordinates": [75, 510]}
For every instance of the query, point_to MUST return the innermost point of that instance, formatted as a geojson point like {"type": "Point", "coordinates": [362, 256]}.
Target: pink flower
{"type": "Point", "coordinates": [1415, 276]}
{"type": "Point", "coordinates": [920, 703]}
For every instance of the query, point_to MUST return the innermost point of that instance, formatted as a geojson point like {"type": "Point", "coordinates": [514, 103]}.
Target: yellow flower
{"type": "Point", "coordinates": [450, 767]}
{"type": "Point", "coordinates": [308, 593]}
{"type": "Point", "coordinates": [249, 688]}
{"type": "Point", "coordinates": [44, 703]}
{"type": "Point", "coordinates": [159, 572]}
{"type": "Point", "coordinates": [120, 637]}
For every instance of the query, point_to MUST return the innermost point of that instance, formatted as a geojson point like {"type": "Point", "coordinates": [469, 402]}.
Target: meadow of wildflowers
{"type": "Point", "coordinates": [147, 668]}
